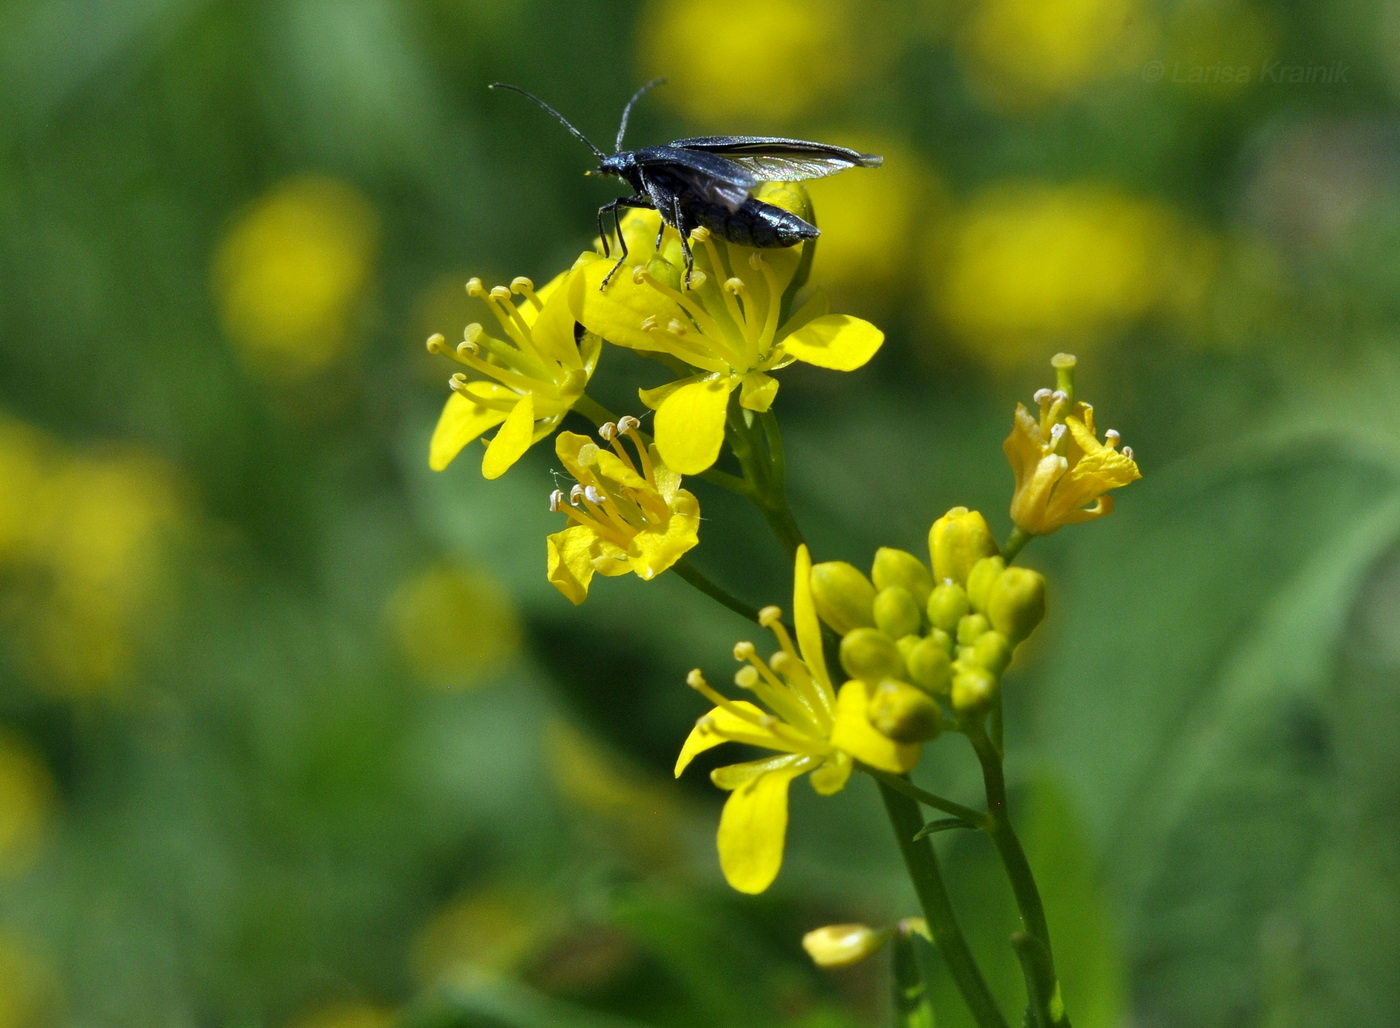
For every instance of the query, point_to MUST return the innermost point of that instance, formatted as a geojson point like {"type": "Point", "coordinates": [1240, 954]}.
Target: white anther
{"type": "Point", "coordinates": [594, 495]}
{"type": "Point", "coordinates": [574, 494]}
{"type": "Point", "coordinates": [744, 650]}
{"type": "Point", "coordinates": [468, 347]}
{"type": "Point", "coordinates": [556, 501]}
{"type": "Point", "coordinates": [627, 423]}
{"type": "Point", "coordinates": [474, 287]}
{"type": "Point", "coordinates": [458, 383]}
{"type": "Point", "coordinates": [676, 327]}
{"type": "Point", "coordinates": [607, 432]}
{"type": "Point", "coordinates": [768, 615]}
{"type": "Point", "coordinates": [500, 293]}
{"type": "Point", "coordinates": [1112, 437]}
{"type": "Point", "coordinates": [734, 285]}
{"type": "Point", "coordinates": [1057, 432]}
{"type": "Point", "coordinates": [1042, 396]}
{"type": "Point", "coordinates": [1059, 396]}
{"type": "Point", "coordinates": [639, 275]}
{"type": "Point", "coordinates": [1128, 452]}
{"type": "Point", "coordinates": [521, 284]}
{"type": "Point", "coordinates": [437, 343]}
{"type": "Point", "coordinates": [650, 323]}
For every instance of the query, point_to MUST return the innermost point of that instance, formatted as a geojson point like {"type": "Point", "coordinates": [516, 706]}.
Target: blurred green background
{"type": "Point", "coordinates": [294, 732]}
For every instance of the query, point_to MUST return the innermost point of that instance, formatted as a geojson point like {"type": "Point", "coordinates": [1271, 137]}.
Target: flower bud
{"type": "Point", "coordinates": [980, 579]}
{"type": "Point", "coordinates": [958, 540]}
{"type": "Point", "coordinates": [898, 568]}
{"type": "Point", "coordinates": [903, 713]}
{"type": "Point", "coordinates": [992, 651]}
{"type": "Point", "coordinates": [841, 945]}
{"type": "Point", "coordinates": [970, 627]}
{"type": "Point", "coordinates": [930, 666]}
{"type": "Point", "coordinates": [844, 597]}
{"type": "Point", "coordinates": [896, 613]}
{"type": "Point", "coordinates": [943, 639]}
{"type": "Point", "coordinates": [946, 606]}
{"type": "Point", "coordinates": [871, 655]}
{"type": "Point", "coordinates": [1016, 603]}
{"type": "Point", "coordinates": [973, 688]}
{"type": "Point", "coordinates": [664, 272]}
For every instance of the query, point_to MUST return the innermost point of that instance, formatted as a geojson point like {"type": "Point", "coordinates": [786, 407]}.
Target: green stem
{"type": "Point", "coordinates": [1037, 957]}
{"type": "Point", "coordinates": [752, 448]}
{"type": "Point", "coordinates": [1015, 543]}
{"type": "Point", "coordinates": [695, 577]}
{"type": "Point", "coordinates": [901, 784]}
{"type": "Point", "coordinates": [594, 411]}
{"type": "Point", "coordinates": [922, 864]}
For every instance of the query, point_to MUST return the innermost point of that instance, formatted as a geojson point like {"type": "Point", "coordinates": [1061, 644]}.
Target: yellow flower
{"type": "Point", "coordinates": [728, 325]}
{"type": "Point", "coordinates": [1062, 470]}
{"type": "Point", "coordinates": [527, 381]}
{"type": "Point", "coordinates": [629, 515]}
{"type": "Point", "coordinates": [811, 726]}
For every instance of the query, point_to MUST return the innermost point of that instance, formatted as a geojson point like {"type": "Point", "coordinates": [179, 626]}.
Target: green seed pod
{"type": "Point", "coordinates": [1016, 603]}
{"type": "Point", "coordinates": [871, 655]}
{"type": "Point", "coordinates": [980, 579]}
{"type": "Point", "coordinates": [897, 568]}
{"type": "Point", "coordinates": [958, 540]}
{"type": "Point", "coordinates": [896, 613]}
{"type": "Point", "coordinates": [946, 606]}
{"type": "Point", "coordinates": [970, 627]}
{"type": "Point", "coordinates": [973, 688]}
{"type": "Point", "coordinates": [992, 651]}
{"type": "Point", "coordinates": [929, 666]}
{"type": "Point", "coordinates": [903, 713]}
{"type": "Point", "coordinates": [844, 597]}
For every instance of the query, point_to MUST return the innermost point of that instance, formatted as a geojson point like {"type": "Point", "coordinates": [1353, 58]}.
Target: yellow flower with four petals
{"type": "Point", "coordinates": [812, 727]}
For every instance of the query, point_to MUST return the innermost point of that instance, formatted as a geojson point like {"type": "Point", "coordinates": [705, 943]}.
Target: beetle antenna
{"type": "Point", "coordinates": [558, 117]}
{"type": "Point", "coordinates": [627, 111]}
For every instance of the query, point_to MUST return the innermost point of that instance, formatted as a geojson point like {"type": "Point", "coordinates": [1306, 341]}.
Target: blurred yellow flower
{"type": "Point", "coordinates": [1063, 472]}
{"type": "Point", "coordinates": [1033, 266]}
{"type": "Point", "coordinates": [453, 625]}
{"type": "Point", "coordinates": [346, 1015]}
{"type": "Point", "coordinates": [85, 537]}
{"type": "Point", "coordinates": [526, 382]}
{"type": "Point", "coordinates": [628, 514]}
{"type": "Point", "coordinates": [812, 727]}
{"type": "Point", "coordinates": [488, 932]}
{"type": "Point", "coordinates": [740, 60]}
{"type": "Point", "coordinates": [26, 803]}
{"type": "Point", "coordinates": [728, 325]}
{"type": "Point", "coordinates": [290, 273]}
{"type": "Point", "coordinates": [1022, 54]}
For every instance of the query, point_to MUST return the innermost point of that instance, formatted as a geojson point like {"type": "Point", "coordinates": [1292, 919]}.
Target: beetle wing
{"type": "Point", "coordinates": [775, 159]}
{"type": "Point", "coordinates": [712, 177]}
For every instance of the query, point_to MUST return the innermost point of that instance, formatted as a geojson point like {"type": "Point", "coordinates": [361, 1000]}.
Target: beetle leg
{"type": "Point", "coordinates": [684, 233]}
{"type": "Point", "coordinates": [615, 209]}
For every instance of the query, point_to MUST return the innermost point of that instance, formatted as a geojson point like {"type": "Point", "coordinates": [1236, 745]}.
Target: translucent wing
{"type": "Point", "coordinates": [774, 159]}
{"type": "Point", "coordinates": [710, 176]}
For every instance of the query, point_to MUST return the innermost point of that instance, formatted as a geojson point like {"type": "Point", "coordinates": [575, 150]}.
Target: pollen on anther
{"type": "Point", "coordinates": [1112, 437]}
{"type": "Point", "coordinates": [734, 285]}
{"type": "Point", "coordinates": [474, 287]}
{"type": "Point", "coordinates": [594, 495]}
{"type": "Point", "coordinates": [639, 275]}
{"type": "Point", "coordinates": [744, 650]}
{"type": "Point", "coordinates": [437, 343]}
{"type": "Point", "coordinates": [700, 234]}
{"type": "Point", "coordinates": [1057, 432]}
{"type": "Point", "coordinates": [469, 347]}
{"type": "Point", "coordinates": [1042, 396]}
{"type": "Point", "coordinates": [500, 293]}
{"type": "Point", "coordinates": [607, 431]}
{"type": "Point", "coordinates": [676, 327]}
{"type": "Point", "coordinates": [1128, 452]}
{"type": "Point", "coordinates": [697, 279]}
{"type": "Point", "coordinates": [695, 679]}
{"type": "Point", "coordinates": [627, 423]}
{"type": "Point", "coordinates": [521, 284]}
{"type": "Point", "coordinates": [556, 501]}
{"type": "Point", "coordinates": [768, 615]}
{"type": "Point", "coordinates": [574, 494]}
{"type": "Point", "coordinates": [473, 332]}
{"type": "Point", "coordinates": [746, 677]}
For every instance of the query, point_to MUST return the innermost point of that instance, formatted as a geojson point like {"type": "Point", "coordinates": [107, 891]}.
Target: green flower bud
{"type": "Point", "coordinates": [871, 655]}
{"type": "Point", "coordinates": [1016, 603]}
{"type": "Point", "coordinates": [664, 272]}
{"type": "Point", "coordinates": [992, 651]}
{"type": "Point", "coordinates": [897, 568]}
{"type": "Point", "coordinates": [973, 688]}
{"type": "Point", "coordinates": [844, 597]}
{"type": "Point", "coordinates": [980, 579]}
{"type": "Point", "coordinates": [896, 613]}
{"type": "Point", "coordinates": [970, 627]}
{"type": "Point", "coordinates": [958, 540]}
{"type": "Point", "coordinates": [929, 666]}
{"type": "Point", "coordinates": [946, 606]}
{"type": "Point", "coordinates": [841, 945]}
{"type": "Point", "coordinates": [903, 713]}
{"type": "Point", "coordinates": [943, 639]}
{"type": "Point", "coordinates": [906, 644]}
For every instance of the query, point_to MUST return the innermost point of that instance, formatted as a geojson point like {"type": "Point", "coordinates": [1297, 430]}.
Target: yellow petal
{"type": "Point", "coordinates": [690, 425]}
{"type": "Point", "coordinates": [569, 564]}
{"type": "Point", "coordinates": [612, 467]}
{"type": "Point", "coordinates": [552, 329]}
{"type": "Point", "coordinates": [854, 734]}
{"type": "Point", "coordinates": [460, 423]}
{"type": "Point", "coordinates": [655, 552]}
{"type": "Point", "coordinates": [757, 391]}
{"type": "Point", "coordinates": [511, 442]}
{"type": "Point", "coordinates": [836, 341]}
{"type": "Point", "coordinates": [832, 776]}
{"type": "Point", "coordinates": [618, 312]}
{"type": "Point", "coordinates": [753, 828]}
{"type": "Point", "coordinates": [804, 615]}
{"type": "Point", "coordinates": [714, 728]}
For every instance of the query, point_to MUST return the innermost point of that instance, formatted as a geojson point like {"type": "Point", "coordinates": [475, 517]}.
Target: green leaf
{"type": "Point", "coordinates": [943, 824]}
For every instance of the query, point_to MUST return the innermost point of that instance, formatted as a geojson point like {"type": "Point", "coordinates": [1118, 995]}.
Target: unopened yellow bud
{"type": "Point", "coordinates": [898, 568]}
{"type": "Point", "coordinates": [947, 605]}
{"type": "Point", "coordinates": [1016, 603]}
{"type": "Point", "coordinates": [903, 713]}
{"type": "Point", "coordinates": [970, 627]}
{"type": "Point", "coordinates": [980, 579]}
{"type": "Point", "coordinates": [844, 597]}
{"type": "Point", "coordinates": [841, 945]}
{"type": "Point", "coordinates": [929, 666]}
{"type": "Point", "coordinates": [896, 613]}
{"type": "Point", "coordinates": [870, 655]}
{"type": "Point", "coordinates": [973, 688]}
{"type": "Point", "coordinates": [992, 651]}
{"type": "Point", "coordinates": [958, 540]}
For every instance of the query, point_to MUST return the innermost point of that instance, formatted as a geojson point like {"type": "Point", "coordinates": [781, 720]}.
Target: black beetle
{"type": "Point", "coordinates": [709, 181]}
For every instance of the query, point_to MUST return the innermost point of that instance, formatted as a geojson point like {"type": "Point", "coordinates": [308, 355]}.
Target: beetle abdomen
{"type": "Point", "coordinates": [754, 223]}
